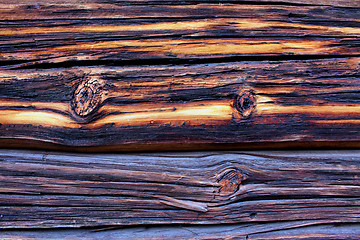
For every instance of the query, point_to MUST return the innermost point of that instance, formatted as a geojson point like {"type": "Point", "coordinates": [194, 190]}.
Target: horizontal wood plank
{"type": "Point", "coordinates": [50, 189]}
{"type": "Point", "coordinates": [287, 230]}
{"type": "Point", "coordinates": [162, 75]}
{"type": "Point", "coordinates": [55, 32]}
{"type": "Point", "coordinates": [170, 107]}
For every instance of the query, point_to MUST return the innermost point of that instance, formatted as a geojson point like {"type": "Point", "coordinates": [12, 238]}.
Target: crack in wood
{"type": "Point", "coordinates": [185, 204]}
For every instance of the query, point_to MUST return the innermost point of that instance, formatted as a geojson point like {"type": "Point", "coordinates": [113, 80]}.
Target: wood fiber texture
{"type": "Point", "coordinates": [166, 75]}
{"type": "Point", "coordinates": [268, 231]}
{"type": "Point", "coordinates": [282, 190]}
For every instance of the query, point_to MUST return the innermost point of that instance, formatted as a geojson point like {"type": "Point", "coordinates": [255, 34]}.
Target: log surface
{"type": "Point", "coordinates": [48, 190]}
{"type": "Point", "coordinates": [157, 75]}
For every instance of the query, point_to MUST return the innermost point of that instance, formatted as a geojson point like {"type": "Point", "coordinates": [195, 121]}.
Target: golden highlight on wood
{"type": "Point", "coordinates": [101, 75]}
{"type": "Point", "coordinates": [113, 84]}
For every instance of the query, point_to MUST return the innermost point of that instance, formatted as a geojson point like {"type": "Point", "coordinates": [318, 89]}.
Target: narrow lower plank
{"type": "Point", "coordinates": [48, 189]}
{"type": "Point", "coordinates": [249, 104]}
{"type": "Point", "coordinates": [286, 230]}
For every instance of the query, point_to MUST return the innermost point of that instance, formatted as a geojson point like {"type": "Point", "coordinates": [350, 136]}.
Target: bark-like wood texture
{"type": "Point", "coordinates": [295, 189]}
{"type": "Point", "coordinates": [147, 75]}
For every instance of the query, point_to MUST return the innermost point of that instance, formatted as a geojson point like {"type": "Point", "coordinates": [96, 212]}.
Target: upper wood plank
{"type": "Point", "coordinates": [127, 75]}
{"type": "Point", "coordinates": [58, 32]}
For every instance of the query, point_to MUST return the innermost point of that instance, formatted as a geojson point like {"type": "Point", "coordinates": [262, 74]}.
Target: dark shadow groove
{"type": "Point", "coordinates": [170, 61]}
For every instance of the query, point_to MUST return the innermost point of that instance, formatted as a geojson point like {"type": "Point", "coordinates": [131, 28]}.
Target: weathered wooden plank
{"type": "Point", "coordinates": [286, 230]}
{"type": "Point", "coordinates": [140, 75]}
{"type": "Point", "coordinates": [75, 190]}
{"type": "Point", "coordinates": [57, 32]}
{"type": "Point", "coordinates": [174, 107]}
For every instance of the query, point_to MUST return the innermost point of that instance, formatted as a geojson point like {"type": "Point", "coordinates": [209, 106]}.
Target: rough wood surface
{"type": "Point", "coordinates": [47, 190]}
{"type": "Point", "coordinates": [268, 231]}
{"type": "Point", "coordinates": [155, 75]}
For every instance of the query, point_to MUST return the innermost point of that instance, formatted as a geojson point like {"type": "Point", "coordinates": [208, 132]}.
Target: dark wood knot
{"type": "Point", "coordinates": [245, 103]}
{"type": "Point", "coordinates": [230, 181]}
{"type": "Point", "coordinates": [87, 97]}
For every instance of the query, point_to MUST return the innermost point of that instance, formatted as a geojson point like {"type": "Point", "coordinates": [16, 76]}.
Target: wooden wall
{"type": "Point", "coordinates": [94, 79]}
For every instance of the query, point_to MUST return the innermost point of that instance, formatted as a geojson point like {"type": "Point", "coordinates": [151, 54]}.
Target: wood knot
{"type": "Point", "coordinates": [87, 97]}
{"type": "Point", "coordinates": [245, 103]}
{"type": "Point", "coordinates": [230, 181]}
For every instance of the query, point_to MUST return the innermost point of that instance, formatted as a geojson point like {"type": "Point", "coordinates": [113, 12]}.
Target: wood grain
{"type": "Point", "coordinates": [47, 190]}
{"type": "Point", "coordinates": [248, 102]}
{"type": "Point", "coordinates": [286, 230]}
{"type": "Point", "coordinates": [54, 32]}
{"type": "Point", "coordinates": [162, 75]}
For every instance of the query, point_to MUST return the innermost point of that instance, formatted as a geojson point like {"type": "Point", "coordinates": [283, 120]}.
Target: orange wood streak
{"type": "Point", "coordinates": [333, 122]}
{"type": "Point", "coordinates": [314, 110]}
{"type": "Point", "coordinates": [194, 113]}
{"type": "Point", "coordinates": [303, 90]}
{"type": "Point", "coordinates": [26, 104]}
{"type": "Point", "coordinates": [231, 23]}
{"type": "Point", "coordinates": [185, 48]}
{"type": "Point", "coordinates": [43, 118]}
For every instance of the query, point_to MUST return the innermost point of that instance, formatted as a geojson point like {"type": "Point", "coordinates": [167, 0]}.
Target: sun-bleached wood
{"type": "Point", "coordinates": [269, 231]}
{"type": "Point", "coordinates": [49, 189]}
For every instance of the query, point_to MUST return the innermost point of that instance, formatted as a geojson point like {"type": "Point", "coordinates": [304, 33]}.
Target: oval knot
{"type": "Point", "coordinates": [230, 181]}
{"type": "Point", "coordinates": [87, 97]}
{"type": "Point", "coordinates": [245, 103]}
